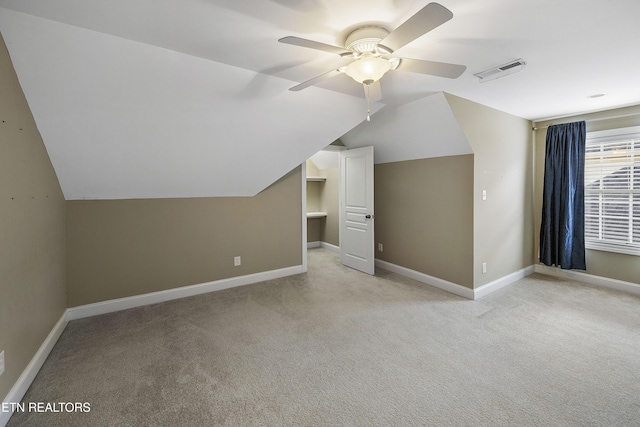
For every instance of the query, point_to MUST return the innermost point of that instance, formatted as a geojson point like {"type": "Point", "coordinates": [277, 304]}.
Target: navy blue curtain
{"type": "Point", "coordinates": [562, 229]}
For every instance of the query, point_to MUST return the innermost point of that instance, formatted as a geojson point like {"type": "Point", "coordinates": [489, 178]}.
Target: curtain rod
{"type": "Point", "coordinates": [597, 119]}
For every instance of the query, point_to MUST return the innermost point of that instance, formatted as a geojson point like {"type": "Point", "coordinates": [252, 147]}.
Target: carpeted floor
{"type": "Point", "coordinates": [336, 347]}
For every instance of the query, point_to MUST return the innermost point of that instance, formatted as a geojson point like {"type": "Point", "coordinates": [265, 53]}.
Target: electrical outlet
{"type": "Point", "coordinates": [484, 267]}
{"type": "Point", "coordinates": [379, 247]}
{"type": "Point", "coordinates": [1, 363]}
{"type": "Point", "coordinates": [237, 261]}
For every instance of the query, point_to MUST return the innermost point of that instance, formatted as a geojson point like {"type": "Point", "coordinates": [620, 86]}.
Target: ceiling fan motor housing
{"type": "Point", "coordinates": [371, 59]}
{"type": "Point", "coordinates": [365, 40]}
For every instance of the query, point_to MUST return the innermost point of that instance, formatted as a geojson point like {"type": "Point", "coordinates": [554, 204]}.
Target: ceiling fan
{"type": "Point", "coordinates": [372, 47]}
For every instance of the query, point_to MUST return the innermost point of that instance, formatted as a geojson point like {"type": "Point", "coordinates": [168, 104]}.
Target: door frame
{"type": "Point", "coordinates": [304, 205]}
{"type": "Point", "coordinates": [304, 216]}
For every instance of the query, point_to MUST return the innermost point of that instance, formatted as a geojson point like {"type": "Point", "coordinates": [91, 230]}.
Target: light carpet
{"type": "Point", "coordinates": [336, 347]}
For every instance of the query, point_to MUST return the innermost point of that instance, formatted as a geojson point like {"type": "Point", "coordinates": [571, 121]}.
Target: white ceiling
{"type": "Point", "coordinates": [427, 128]}
{"type": "Point", "coordinates": [187, 98]}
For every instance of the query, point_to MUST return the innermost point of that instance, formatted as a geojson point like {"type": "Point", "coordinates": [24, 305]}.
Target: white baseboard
{"type": "Point", "coordinates": [454, 288]}
{"type": "Point", "coordinates": [590, 279]}
{"type": "Point", "coordinates": [21, 386]}
{"type": "Point", "coordinates": [171, 294]}
{"type": "Point", "coordinates": [445, 285]}
{"type": "Point", "coordinates": [325, 245]}
{"type": "Point", "coordinates": [329, 246]}
{"type": "Point", "coordinates": [507, 280]}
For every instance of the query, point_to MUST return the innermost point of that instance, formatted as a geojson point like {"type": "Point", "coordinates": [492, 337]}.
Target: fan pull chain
{"type": "Point", "coordinates": [367, 88]}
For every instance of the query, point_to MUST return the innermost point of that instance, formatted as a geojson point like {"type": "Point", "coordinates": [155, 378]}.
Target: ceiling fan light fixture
{"type": "Point", "coordinates": [364, 46]}
{"type": "Point", "coordinates": [383, 50]}
{"type": "Point", "coordinates": [370, 47]}
{"type": "Point", "coordinates": [368, 68]}
{"type": "Point", "coordinates": [395, 63]}
{"type": "Point", "coordinates": [365, 40]}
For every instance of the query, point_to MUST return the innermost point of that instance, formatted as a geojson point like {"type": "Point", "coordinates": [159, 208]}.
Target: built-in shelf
{"type": "Point", "coordinates": [316, 214]}
{"type": "Point", "coordinates": [316, 179]}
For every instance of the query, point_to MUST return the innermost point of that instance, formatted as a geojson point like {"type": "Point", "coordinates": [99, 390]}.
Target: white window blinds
{"type": "Point", "coordinates": [612, 190]}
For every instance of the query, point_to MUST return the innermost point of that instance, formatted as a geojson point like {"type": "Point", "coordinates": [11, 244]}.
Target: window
{"type": "Point", "coordinates": [612, 190]}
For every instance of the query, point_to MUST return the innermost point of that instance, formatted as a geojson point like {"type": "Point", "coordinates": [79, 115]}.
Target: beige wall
{"type": "Point", "coordinates": [503, 167]}
{"type": "Point", "coordinates": [120, 248]}
{"type": "Point", "coordinates": [599, 263]}
{"type": "Point", "coordinates": [430, 215]}
{"type": "Point", "coordinates": [313, 229]}
{"type": "Point", "coordinates": [424, 216]}
{"type": "Point", "coordinates": [32, 232]}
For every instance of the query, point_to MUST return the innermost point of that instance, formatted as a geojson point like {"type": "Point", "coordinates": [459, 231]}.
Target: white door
{"type": "Point", "coordinates": [356, 209]}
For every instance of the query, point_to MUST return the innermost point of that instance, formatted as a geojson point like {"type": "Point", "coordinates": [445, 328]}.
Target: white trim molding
{"type": "Point", "coordinates": [590, 279]}
{"type": "Point", "coordinates": [303, 196]}
{"type": "Point", "coordinates": [325, 245]}
{"type": "Point", "coordinates": [445, 285]}
{"type": "Point", "coordinates": [329, 246]}
{"type": "Point", "coordinates": [176, 293]}
{"type": "Point", "coordinates": [454, 288]}
{"type": "Point", "coordinates": [505, 281]}
{"type": "Point", "coordinates": [21, 386]}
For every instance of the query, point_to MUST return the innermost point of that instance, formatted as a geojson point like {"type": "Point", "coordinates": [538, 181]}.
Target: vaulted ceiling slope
{"type": "Point", "coordinates": [122, 119]}
{"type": "Point", "coordinates": [188, 98]}
{"type": "Point", "coordinates": [426, 128]}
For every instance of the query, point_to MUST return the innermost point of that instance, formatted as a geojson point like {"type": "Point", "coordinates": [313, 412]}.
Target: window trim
{"type": "Point", "coordinates": [611, 135]}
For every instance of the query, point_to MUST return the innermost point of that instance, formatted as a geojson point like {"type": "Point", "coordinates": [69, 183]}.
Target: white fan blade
{"type": "Point", "coordinates": [426, 19]}
{"type": "Point", "coordinates": [315, 80]}
{"type": "Point", "coordinates": [440, 69]}
{"type": "Point", "coordinates": [297, 41]}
